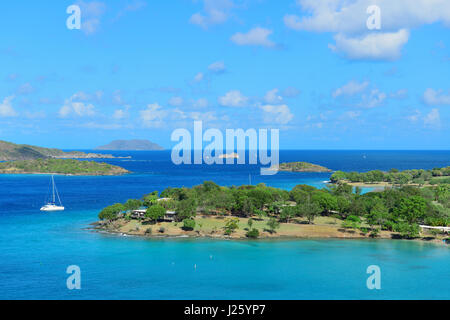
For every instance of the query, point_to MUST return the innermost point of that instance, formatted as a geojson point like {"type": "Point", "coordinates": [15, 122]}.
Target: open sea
{"type": "Point", "coordinates": [36, 248]}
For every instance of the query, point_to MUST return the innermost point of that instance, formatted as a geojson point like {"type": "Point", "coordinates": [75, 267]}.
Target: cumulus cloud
{"type": "Point", "coordinates": [279, 114]}
{"type": "Point", "coordinates": [233, 98]}
{"type": "Point", "coordinates": [77, 106]}
{"type": "Point", "coordinates": [217, 67]}
{"type": "Point", "coordinates": [373, 99]}
{"type": "Point", "coordinates": [255, 37]}
{"type": "Point", "coordinates": [350, 16]}
{"type": "Point", "coordinates": [201, 103]}
{"type": "Point", "coordinates": [361, 95]}
{"type": "Point", "coordinates": [347, 18]}
{"type": "Point", "coordinates": [153, 115]}
{"type": "Point", "coordinates": [91, 15]}
{"type": "Point", "coordinates": [199, 77]}
{"type": "Point", "coordinates": [373, 46]}
{"type": "Point", "coordinates": [351, 88]}
{"type": "Point", "coordinates": [214, 12]}
{"type": "Point", "coordinates": [273, 97]}
{"type": "Point", "coordinates": [120, 114]}
{"type": "Point", "coordinates": [433, 119]}
{"type": "Point", "coordinates": [436, 97]}
{"type": "Point", "coordinates": [6, 108]}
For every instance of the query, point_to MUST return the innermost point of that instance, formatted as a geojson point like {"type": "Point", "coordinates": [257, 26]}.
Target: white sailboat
{"type": "Point", "coordinates": [53, 205]}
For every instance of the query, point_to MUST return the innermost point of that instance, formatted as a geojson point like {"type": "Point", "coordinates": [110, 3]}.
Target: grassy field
{"type": "Point", "coordinates": [213, 226]}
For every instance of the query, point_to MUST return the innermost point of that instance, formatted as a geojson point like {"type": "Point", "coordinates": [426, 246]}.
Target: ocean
{"type": "Point", "coordinates": [36, 248]}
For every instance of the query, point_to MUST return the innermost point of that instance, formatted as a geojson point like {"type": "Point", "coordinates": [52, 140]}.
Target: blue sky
{"type": "Point", "coordinates": [140, 69]}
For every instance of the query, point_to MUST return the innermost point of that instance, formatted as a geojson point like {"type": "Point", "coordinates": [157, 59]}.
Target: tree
{"type": "Point", "coordinates": [250, 223]}
{"type": "Point", "coordinates": [110, 213]}
{"type": "Point", "coordinates": [154, 213]}
{"type": "Point", "coordinates": [186, 209]}
{"type": "Point", "coordinates": [377, 215]}
{"type": "Point", "coordinates": [273, 224]}
{"type": "Point", "coordinates": [150, 199]}
{"type": "Point", "coordinates": [288, 213]}
{"type": "Point", "coordinates": [352, 222]}
{"type": "Point", "coordinates": [412, 209]}
{"type": "Point", "coordinates": [132, 204]}
{"type": "Point", "coordinates": [253, 234]}
{"type": "Point", "coordinates": [231, 224]}
{"type": "Point", "coordinates": [188, 224]}
{"type": "Point", "coordinates": [310, 210]}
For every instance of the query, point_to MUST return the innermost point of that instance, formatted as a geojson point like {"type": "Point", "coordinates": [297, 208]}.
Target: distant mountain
{"type": "Point", "coordinates": [131, 145]}
{"type": "Point", "coordinates": [11, 152]}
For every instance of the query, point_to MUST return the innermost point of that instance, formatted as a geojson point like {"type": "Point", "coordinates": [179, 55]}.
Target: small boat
{"type": "Point", "coordinates": [52, 205]}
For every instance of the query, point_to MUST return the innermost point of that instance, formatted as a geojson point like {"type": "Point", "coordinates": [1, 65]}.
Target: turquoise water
{"type": "Point", "coordinates": [36, 248]}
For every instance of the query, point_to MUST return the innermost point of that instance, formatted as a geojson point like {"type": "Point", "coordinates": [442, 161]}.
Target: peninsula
{"type": "Point", "coordinates": [209, 210]}
{"type": "Point", "coordinates": [131, 145]}
{"type": "Point", "coordinates": [60, 166]}
{"type": "Point", "coordinates": [10, 152]}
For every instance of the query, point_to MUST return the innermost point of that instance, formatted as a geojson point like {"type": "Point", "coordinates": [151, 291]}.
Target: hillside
{"type": "Point", "coordinates": [60, 166]}
{"type": "Point", "coordinates": [302, 167]}
{"type": "Point", "coordinates": [131, 145]}
{"type": "Point", "coordinates": [11, 151]}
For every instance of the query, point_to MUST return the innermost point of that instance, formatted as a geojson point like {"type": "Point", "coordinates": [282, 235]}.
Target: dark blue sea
{"type": "Point", "coordinates": [36, 248]}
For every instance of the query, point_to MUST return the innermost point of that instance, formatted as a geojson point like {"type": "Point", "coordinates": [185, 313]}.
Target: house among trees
{"type": "Point", "coordinates": [169, 216]}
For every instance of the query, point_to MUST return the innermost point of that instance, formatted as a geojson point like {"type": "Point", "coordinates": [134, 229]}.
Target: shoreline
{"type": "Point", "coordinates": [274, 238]}
{"type": "Point", "coordinates": [287, 231]}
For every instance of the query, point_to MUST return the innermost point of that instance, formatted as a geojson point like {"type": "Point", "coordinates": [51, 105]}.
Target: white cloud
{"type": "Point", "coordinates": [350, 16]}
{"type": "Point", "coordinates": [199, 77]}
{"type": "Point", "coordinates": [120, 114]}
{"type": "Point", "coordinates": [91, 14]}
{"type": "Point", "coordinates": [351, 88]}
{"type": "Point", "coordinates": [436, 97]}
{"type": "Point", "coordinates": [217, 67]}
{"type": "Point", "coordinates": [433, 118]}
{"type": "Point", "coordinates": [255, 37]}
{"type": "Point", "coordinates": [79, 109]}
{"type": "Point", "coordinates": [272, 97]}
{"type": "Point", "coordinates": [373, 46]}
{"type": "Point", "coordinates": [347, 19]}
{"type": "Point", "coordinates": [279, 114]}
{"type": "Point", "coordinates": [201, 103]}
{"type": "Point", "coordinates": [76, 106]}
{"type": "Point", "coordinates": [153, 115]}
{"type": "Point", "coordinates": [176, 101]}
{"type": "Point", "coordinates": [6, 108]}
{"type": "Point", "coordinates": [233, 98]}
{"type": "Point", "coordinates": [214, 12]}
{"type": "Point", "coordinates": [373, 99]}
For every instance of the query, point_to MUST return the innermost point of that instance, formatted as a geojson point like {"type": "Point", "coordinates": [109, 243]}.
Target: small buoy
{"type": "Point", "coordinates": [195, 266]}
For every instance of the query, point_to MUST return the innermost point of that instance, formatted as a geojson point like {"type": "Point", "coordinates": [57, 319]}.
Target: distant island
{"type": "Point", "coordinates": [60, 166]}
{"type": "Point", "coordinates": [229, 156]}
{"type": "Point", "coordinates": [301, 167]}
{"type": "Point", "coordinates": [131, 145]}
{"type": "Point", "coordinates": [10, 152]}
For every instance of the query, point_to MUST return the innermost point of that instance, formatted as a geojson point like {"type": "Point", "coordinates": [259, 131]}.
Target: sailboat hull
{"type": "Point", "coordinates": [52, 208]}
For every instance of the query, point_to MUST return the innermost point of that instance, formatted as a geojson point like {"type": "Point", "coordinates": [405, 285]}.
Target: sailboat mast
{"type": "Point", "coordinates": [53, 188]}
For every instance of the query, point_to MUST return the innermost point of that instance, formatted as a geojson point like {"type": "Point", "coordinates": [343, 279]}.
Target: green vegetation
{"type": "Point", "coordinates": [302, 167]}
{"type": "Point", "coordinates": [398, 210]}
{"type": "Point", "coordinates": [418, 177]}
{"type": "Point", "coordinates": [60, 166]}
{"type": "Point", "coordinates": [155, 213]}
{"type": "Point", "coordinates": [253, 234]}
